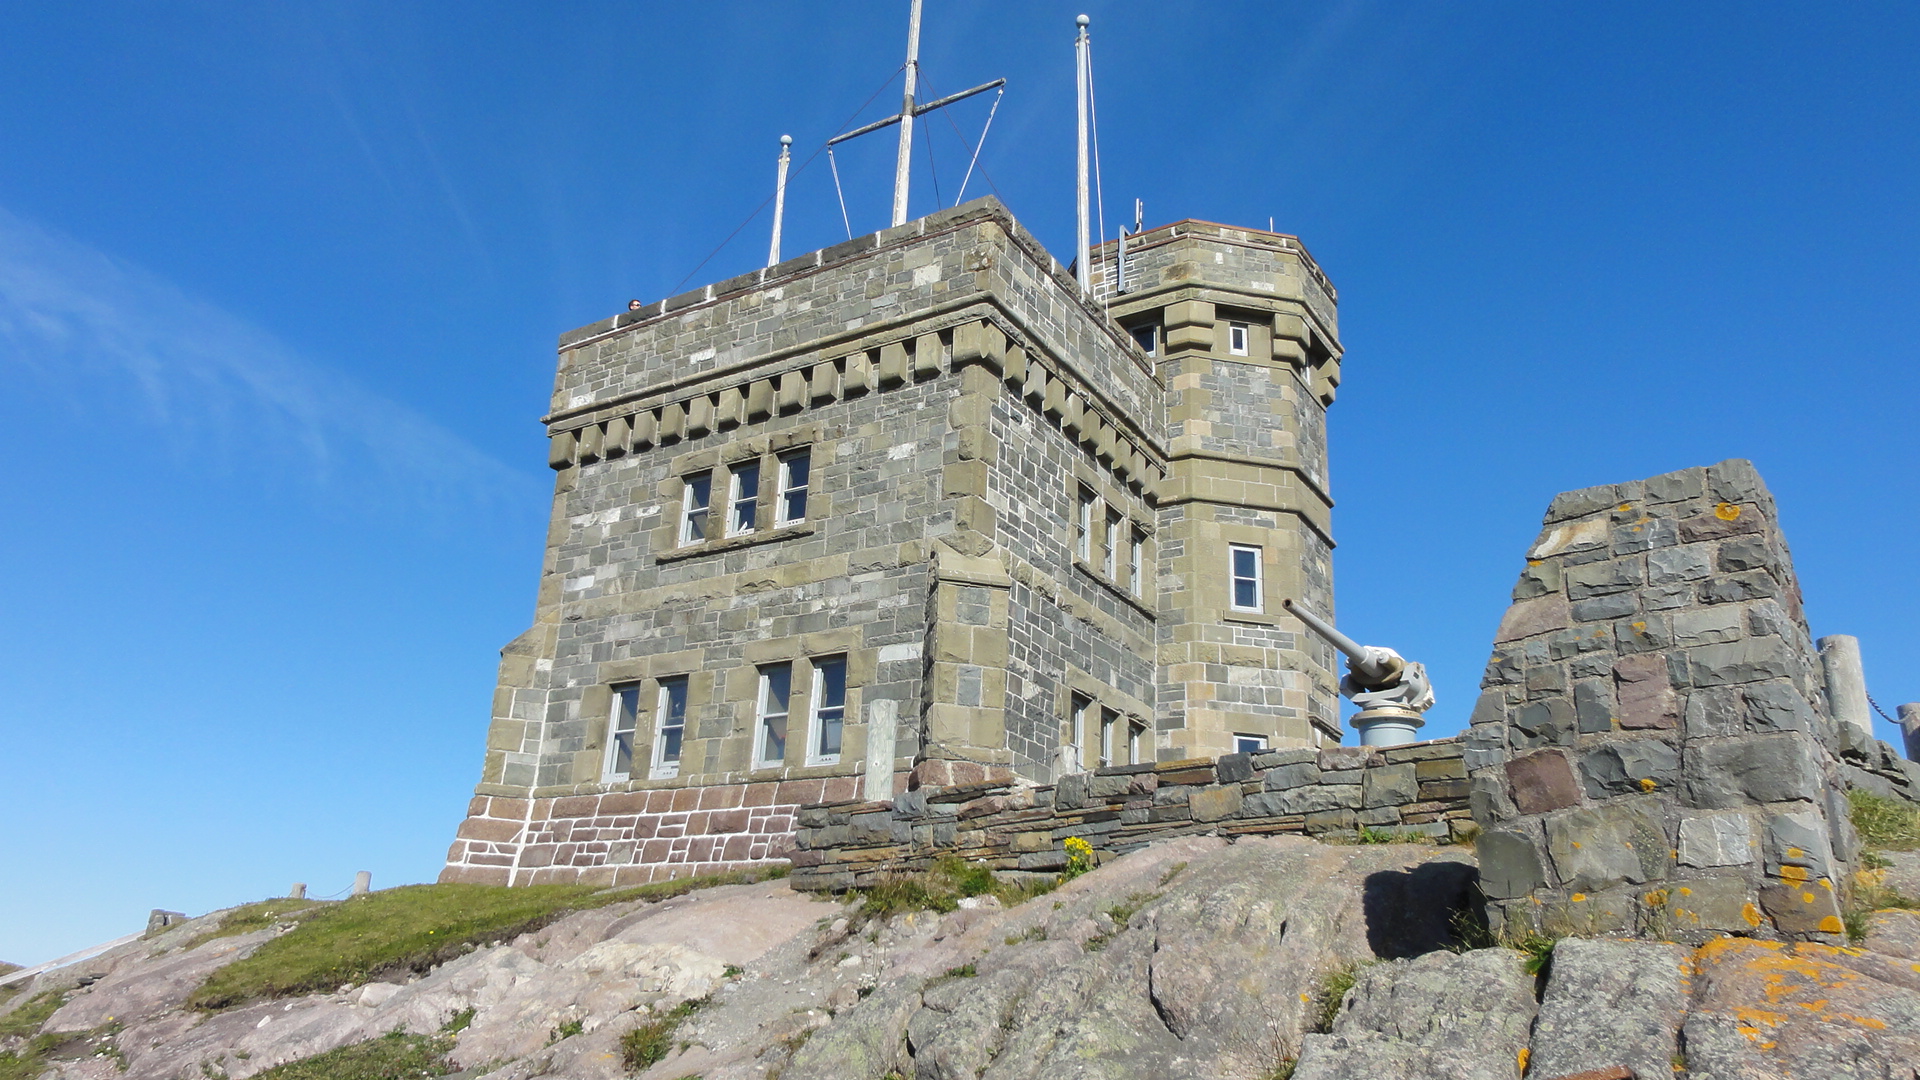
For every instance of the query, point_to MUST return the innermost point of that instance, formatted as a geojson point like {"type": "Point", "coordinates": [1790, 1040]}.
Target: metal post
{"type": "Point", "coordinates": [1081, 236]}
{"type": "Point", "coordinates": [903, 165]}
{"type": "Point", "coordinates": [780, 198]}
{"type": "Point", "coordinates": [1909, 715]}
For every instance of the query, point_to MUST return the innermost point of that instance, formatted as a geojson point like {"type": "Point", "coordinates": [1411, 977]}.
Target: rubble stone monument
{"type": "Point", "coordinates": [1652, 751]}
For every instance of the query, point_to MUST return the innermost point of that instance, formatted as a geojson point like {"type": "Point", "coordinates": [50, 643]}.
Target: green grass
{"type": "Point", "coordinates": [650, 1043]}
{"type": "Point", "coordinates": [395, 1056]}
{"type": "Point", "coordinates": [409, 929]}
{"type": "Point", "coordinates": [1333, 991]}
{"type": "Point", "coordinates": [1887, 824]}
{"type": "Point", "coordinates": [251, 917]}
{"type": "Point", "coordinates": [941, 887]}
{"type": "Point", "coordinates": [26, 1020]}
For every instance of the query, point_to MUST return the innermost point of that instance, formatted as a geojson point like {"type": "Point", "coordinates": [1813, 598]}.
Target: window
{"type": "Point", "coordinates": [620, 729]}
{"type": "Point", "coordinates": [1109, 731]}
{"type": "Point", "coordinates": [693, 510]}
{"type": "Point", "coordinates": [1249, 744]}
{"type": "Point", "coordinates": [1082, 718]}
{"type": "Point", "coordinates": [776, 685]}
{"type": "Point", "coordinates": [1237, 338]}
{"type": "Point", "coordinates": [1147, 337]}
{"type": "Point", "coordinates": [1136, 743]}
{"type": "Point", "coordinates": [1244, 566]}
{"type": "Point", "coordinates": [743, 497]}
{"type": "Point", "coordinates": [1083, 527]}
{"type": "Point", "coordinates": [792, 506]}
{"type": "Point", "coordinates": [670, 726]}
{"type": "Point", "coordinates": [1110, 545]}
{"type": "Point", "coordinates": [1137, 565]}
{"type": "Point", "coordinates": [829, 709]}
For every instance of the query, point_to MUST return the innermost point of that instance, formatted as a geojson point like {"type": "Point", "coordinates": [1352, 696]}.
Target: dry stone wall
{"type": "Point", "coordinates": [985, 816]}
{"type": "Point", "coordinates": [1652, 750]}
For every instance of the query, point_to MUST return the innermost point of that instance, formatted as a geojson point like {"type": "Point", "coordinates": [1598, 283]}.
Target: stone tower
{"type": "Point", "coordinates": [913, 501]}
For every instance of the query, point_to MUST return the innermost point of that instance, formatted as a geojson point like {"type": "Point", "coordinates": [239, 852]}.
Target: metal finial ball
{"type": "Point", "coordinates": [786, 140]}
{"type": "Point", "coordinates": [1081, 21]}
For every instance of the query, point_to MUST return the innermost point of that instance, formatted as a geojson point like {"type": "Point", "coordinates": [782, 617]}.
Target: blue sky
{"type": "Point", "coordinates": [279, 289]}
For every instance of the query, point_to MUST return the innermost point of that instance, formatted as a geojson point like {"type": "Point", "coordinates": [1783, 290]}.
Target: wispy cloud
{"type": "Point", "coordinates": [118, 340]}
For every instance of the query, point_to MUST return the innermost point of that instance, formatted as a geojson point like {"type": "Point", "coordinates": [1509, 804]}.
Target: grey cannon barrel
{"type": "Point", "coordinates": [1372, 668]}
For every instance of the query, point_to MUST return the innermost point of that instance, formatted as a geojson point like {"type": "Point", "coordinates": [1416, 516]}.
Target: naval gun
{"type": "Point", "coordinates": [1391, 691]}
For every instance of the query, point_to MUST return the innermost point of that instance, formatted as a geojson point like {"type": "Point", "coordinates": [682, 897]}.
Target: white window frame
{"type": "Point", "coordinates": [1241, 739]}
{"type": "Point", "coordinates": [624, 694]}
{"type": "Point", "coordinates": [763, 724]}
{"type": "Point", "coordinates": [818, 718]}
{"type": "Point", "coordinates": [1234, 578]}
{"type": "Point", "coordinates": [1238, 336]}
{"type": "Point", "coordinates": [689, 485]}
{"type": "Point", "coordinates": [1109, 725]}
{"type": "Point", "coordinates": [661, 768]}
{"type": "Point", "coordinates": [1137, 564]}
{"type": "Point", "coordinates": [787, 488]}
{"type": "Point", "coordinates": [1083, 524]}
{"type": "Point", "coordinates": [1082, 707]}
{"type": "Point", "coordinates": [1110, 545]}
{"type": "Point", "coordinates": [739, 498]}
{"type": "Point", "coordinates": [1136, 742]}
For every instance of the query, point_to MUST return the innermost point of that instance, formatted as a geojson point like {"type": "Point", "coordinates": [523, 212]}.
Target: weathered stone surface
{"type": "Point", "coordinates": [1630, 767]}
{"type": "Point", "coordinates": [1743, 770]}
{"type": "Point", "coordinates": [1745, 661]}
{"type": "Point", "coordinates": [1646, 694]}
{"type": "Point", "coordinates": [1797, 846]}
{"type": "Point", "coordinates": [1765, 1009]}
{"type": "Point", "coordinates": [1611, 1004]}
{"type": "Point", "coordinates": [1716, 840]}
{"type": "Point", "coordinates": [1804, 907]}
{"type": "Point", "coordinates": [1509, 864]}
{"type": "Point", "coordinates": [1536, 616]}
{"type": "Point", "coordinates": [1542, 781]}
{"type": "Point", "coordinates": [1605, 846]}
{"type": "Point", "coordinates": [1706, 905]}
{"type": "Point", "coordinates": [1542, 723]}
{"type": "Point", "coordinates": [1389, 785]}
{"type": "Point", "coordinates": [1290, 775]}
{"type": "Point", "coordinates": [1442, 1016]}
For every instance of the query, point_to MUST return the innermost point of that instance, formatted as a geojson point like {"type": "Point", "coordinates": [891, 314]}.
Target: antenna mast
{"type": "Point", "coordinates": [1080, 186]}
{"type": "Point", "coordinates": [780, 198]}
{"type": "Point", "coordinates": [903, 166]}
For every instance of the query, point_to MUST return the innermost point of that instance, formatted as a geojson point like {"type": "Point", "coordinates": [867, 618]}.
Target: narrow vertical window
{"type": "Point", "coordinates": [829, 708]}
{"type": "Point", "coordinates": [1109, 731]}
{"type": "Point", "coordinates": [1249, 744]}
{"type": "Point", "coordinates": [1136, 743]}
{"type": "Point", "coordinates": [743, 498]}
{"type": "Point", "coordinates": [794, 470]}
{"type": "Point", "coordinates": [620, 729]}
{"type": "Point", "coordinates": [1147, 337]}
{"type": "Point", "coordinates": [1082, 719]}
{"type": "Point", "coordinates": [670, 723]}
{"type": "Point", "coordinates": [693, 508]}
{"type": "Point", "coordinates": [1237, 338]}
{"type": "Point", "coordinates": [1244, 566]}
{"type": "Point", "coordinates": [776, 686]}
{"type": "Point", "coordinates": [1110, 545]}
{"type": "Point", "coordinates": [1137, 565]}
{"type": "Point", "coordinates": [1083, 527]}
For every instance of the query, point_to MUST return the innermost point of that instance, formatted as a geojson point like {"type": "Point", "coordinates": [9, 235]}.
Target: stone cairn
{"type": "Point", "coordinates": [1652, 751]}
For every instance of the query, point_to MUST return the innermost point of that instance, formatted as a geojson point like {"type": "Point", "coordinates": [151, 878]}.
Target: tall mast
{"type": "Point", "coordinates": [780, 198]}
{"type": "Point", "coordinates": [903, 165]}
{"type": "Point", "coordinates": [1080, 186]}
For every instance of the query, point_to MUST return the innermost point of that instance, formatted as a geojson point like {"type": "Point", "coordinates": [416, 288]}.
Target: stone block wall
{"type": "Point", "coordinates": [633, 837]}
{"type": "Point", "coordinates": [1419, 790]}
{"type": "Point", "coordinates": [1652, 750]}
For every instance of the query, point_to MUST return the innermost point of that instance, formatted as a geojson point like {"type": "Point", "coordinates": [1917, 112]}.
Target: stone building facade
{"type": "Point", "coordinates": [914, 499]}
